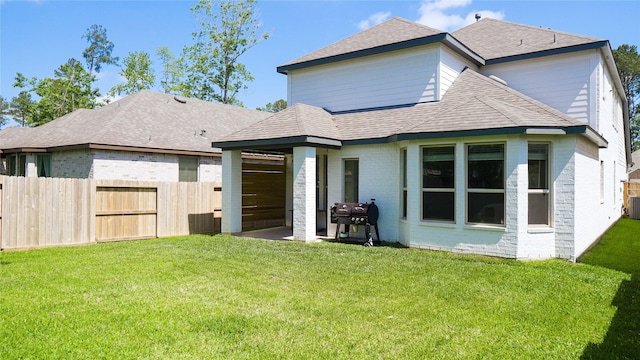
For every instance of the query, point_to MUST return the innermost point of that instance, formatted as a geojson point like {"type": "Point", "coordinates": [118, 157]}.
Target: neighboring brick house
{"type": "Point", "coordinates": [634, 171]}
{"type": "Point", "coordinates": [498, 139]}
{"type": "Point", "coordinates": [147, 136]}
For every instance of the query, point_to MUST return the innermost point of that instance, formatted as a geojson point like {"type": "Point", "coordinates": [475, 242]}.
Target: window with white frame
{"type": "Point", "coordinates": [485, 184]}
{"type": "Point", "coordinates": [404, 183]}
{"type": "Point", "coordinates": [438, 183]}
{"type": "Point", "coordinates": [351, 180]}
{"type": "Point", "coordinates": [539, 198]}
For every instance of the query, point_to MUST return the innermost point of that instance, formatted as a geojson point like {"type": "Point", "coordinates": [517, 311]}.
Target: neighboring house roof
{"type": "Point", "coordinates": [497, 40]}
{"type": "Point", "coordinates": [146, 120]}
{"type": "Point", "coordinates": [393, 34]}
{"type": "Point", "coordinates": [473, 105]}
{"type": "Point", "coordinates": [635, 158]}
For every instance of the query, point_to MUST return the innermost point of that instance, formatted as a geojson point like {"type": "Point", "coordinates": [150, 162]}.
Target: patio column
{"type": "Point", "coordinates": [304, 193]}
{"type": "Point", "coordinates": [231, 191]}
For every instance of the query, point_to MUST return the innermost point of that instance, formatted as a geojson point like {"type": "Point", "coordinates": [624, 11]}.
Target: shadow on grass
{"type": "Point", "coordinates": [361, 242]}
{"type": "Point", "coordinates": [620, 250]}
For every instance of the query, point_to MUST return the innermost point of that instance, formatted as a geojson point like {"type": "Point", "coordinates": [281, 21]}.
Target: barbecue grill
{"type": "Point", "coordinates": [348, 214]}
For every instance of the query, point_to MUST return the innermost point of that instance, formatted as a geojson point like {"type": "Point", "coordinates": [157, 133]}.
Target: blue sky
{"type": "Point", "coordinates": [36, 37]}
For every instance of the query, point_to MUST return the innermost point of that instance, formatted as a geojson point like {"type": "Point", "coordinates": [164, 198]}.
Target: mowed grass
{"type": "Point", "coordinates": [208, 297]}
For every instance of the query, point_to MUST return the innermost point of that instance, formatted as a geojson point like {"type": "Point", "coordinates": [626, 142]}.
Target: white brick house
{"type": "Point", "coordinates": [147, 136]}
{"type": "Point", "coordinates": [498, 139]}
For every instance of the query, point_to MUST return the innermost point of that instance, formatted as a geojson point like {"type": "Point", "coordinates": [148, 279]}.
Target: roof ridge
{"type": "Point", "coordinates": [487, 100]}
{"type": "Point", "coordinates": [532, 27]}
{"type": "Point", "coordinates": [300, 124]}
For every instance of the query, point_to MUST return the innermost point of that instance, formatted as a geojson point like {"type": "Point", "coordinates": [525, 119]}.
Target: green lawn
{"type": "Point", "coordinates": [203, 297]}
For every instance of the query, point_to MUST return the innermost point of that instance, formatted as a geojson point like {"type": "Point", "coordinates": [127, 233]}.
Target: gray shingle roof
{"type": "Point", "coordinates": [296, 121]}
{"type": "Point", "coordinates": [493, 39]}
{"type": "Point", "coordinates": [474, 102]}
{"type": "Point", "coordinates": [635, 156]}
{"type": "Point", "coordinates": [146, 119]}
{"type": "Point", "coordinates": [392, 31]}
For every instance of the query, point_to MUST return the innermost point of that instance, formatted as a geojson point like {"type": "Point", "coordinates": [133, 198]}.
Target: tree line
{"type": "Point", "coordinates": [208, 69]}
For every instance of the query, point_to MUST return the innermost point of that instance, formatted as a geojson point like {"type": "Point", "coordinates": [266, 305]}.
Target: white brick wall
{"type": "Point", "coordinates": [304, 193]}
{"type": "Point", "coordinates": [379, 167]}
{"type": "Point", "coordinates": [380, 177]}
{"type": "Point", "coordinates": [128, 165]}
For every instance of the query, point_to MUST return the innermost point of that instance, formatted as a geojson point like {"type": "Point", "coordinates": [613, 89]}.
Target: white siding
{"type": "Point", "coordinates": [451, 65]}
{"type": "Point", "coordinates": [561, 81]}
{"type": "Point", "coordinates": [395, 78]}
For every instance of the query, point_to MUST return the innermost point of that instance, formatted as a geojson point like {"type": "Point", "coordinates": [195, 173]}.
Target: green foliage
{"type": "Point", "coordinates": [22, 107]}
{"type": "Point", "coordinates": [4, 111]}
{"type": "Point", "coordinates": [212, 70]}
{"type": "Point", "coordinates": [138, 72]}
{"type": "Point", "coordinates": [68, 90]}
{"type": "Point", "coordinates": [99, 50]}
{"type": "Point", "coordinates": [277, 106]}
{"type": "Point", "coordinates": [172, 70]}
{"type": "Point", "coordinates": [220, 297]}
{"type": "Point", "coordinates": [628, 63]}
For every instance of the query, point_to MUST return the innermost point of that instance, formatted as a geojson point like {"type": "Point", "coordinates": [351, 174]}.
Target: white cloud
{"type": "Point", "coordinates": [439, 14]}
{"type": "Point", "coordinates": [373, 20]}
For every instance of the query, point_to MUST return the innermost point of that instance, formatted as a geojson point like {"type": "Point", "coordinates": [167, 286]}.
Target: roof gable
{"type": "Point", "coordinates": [496, 39]}
{"type": "Point", "coordinates": [297, 123]}
{"type": "Point", "coordinates": [391, 33]}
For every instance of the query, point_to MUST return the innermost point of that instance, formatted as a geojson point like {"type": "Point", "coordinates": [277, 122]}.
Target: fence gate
{"type": "Point", "coordinates": [126, 213]}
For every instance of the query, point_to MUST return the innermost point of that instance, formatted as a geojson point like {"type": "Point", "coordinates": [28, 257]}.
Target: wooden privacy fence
{"type": "Point", "coordinates": [38, 212]}
{"type": "Point", "coordinates": [630, 189]}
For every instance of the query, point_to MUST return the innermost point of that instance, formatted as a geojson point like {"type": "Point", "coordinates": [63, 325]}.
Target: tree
{"type": "Point", "coordinates": [4, 111]}
{"type": "Point", "coordinates": [172, 70]}
{"type": "Point", "coordinates": [277, 106]}
{"type": "Point", "coordinates": [68, 90]}
{"type": "Point", "coordinates": [228, 29]}
{"type": "Point", "coordinates": [138, 72]}
{"type": "Point", "coordinates": [99, 50]}
{"type": "Point", "coordinates": [21, 107]}
{"type": "Point", "coordinates": [628, 63]}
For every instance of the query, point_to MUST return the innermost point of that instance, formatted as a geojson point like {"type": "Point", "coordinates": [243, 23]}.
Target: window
{"type": "Point", "coordinates": [351, 180]}
{"type": "Point", "coordinates": [22, 165]}
{"type": "Point", "coordinates": [187, 168]}
{"type": "Point", "coordinates": [44, 165]}
{"type": "Point", "coordinates": [17, 165]}
{"type": "Point", "coordinates": [485, 184]}
{"type": "Point", "coordinates": [438, 183]}
{"type": "Point", "coordinates": [11, 165]}
{"type": "Point", "coordinates": [404, 183]}
{"type": "Point", "coordinates": [539, 184]}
